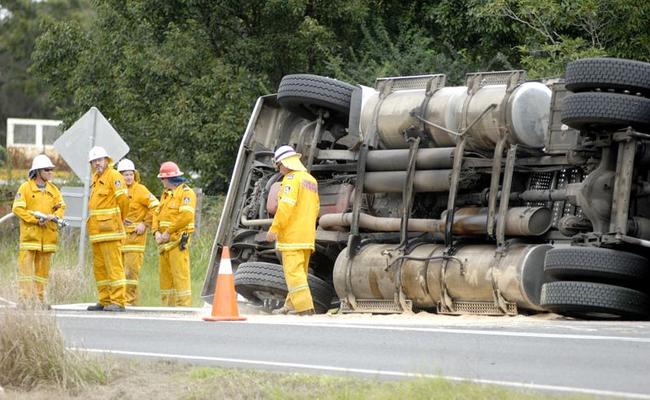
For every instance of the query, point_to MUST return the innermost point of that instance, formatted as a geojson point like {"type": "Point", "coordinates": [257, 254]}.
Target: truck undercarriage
{"type": "Point", "coordinates": [498, 197]}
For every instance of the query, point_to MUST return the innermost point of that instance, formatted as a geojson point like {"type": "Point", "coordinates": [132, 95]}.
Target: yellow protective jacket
{"type": "Point", "coordinates": [108, 205]}
{"type": "Point", "coordinates": [298, 207]}
{"type": "Point", "coordinates": [30, 198]}
{"type": "Point", "coordinates": [141, 206]}
{"type": "Point", "coordinates": [175, 215]}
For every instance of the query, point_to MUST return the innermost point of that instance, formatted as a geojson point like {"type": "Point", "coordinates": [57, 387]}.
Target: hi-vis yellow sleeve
{"type": "Point", "coordinates": [287, 198]}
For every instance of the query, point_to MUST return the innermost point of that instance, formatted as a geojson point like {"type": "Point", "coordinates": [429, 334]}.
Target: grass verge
{"type": "Point", "coordinates": [33, 353]}
{"type": "Point", "coordinates": [170, 380]}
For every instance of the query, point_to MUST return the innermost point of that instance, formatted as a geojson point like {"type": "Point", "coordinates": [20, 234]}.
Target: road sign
{"type": "Point", "coordinates": [76, 142]}
{"type": "Point", "coordinates": [74, 203]}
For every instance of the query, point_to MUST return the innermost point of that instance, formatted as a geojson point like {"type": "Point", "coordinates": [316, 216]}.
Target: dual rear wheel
{"type": "Point", "coordinates": [608, 93]}
{"type": "Point", "coordinates": [588, 282]}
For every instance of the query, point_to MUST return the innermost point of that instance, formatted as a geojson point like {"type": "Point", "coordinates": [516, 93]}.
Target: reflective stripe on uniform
{"type": "Point", "coordinates": [168, 246]}
{"type": "Point", "coordinates": [154, 204]}
{"type": "Point", "coordinates": [132, 247]}
{"type": "Point", "coordinates": [30, 246]}
{"type": "Point", "coordinates": [288, 201]}
{"type": "Point", "coordinates": [132, 282]}
{"type": "Point", "coordinates": [164, 224]}
{"type": "Point", "coordinates": [294, 246]}
{"type": "Point", "coordinates": [103, 283]}
{"type": "Point", "coordinates": [20, 203]}
{"type": "Point", "coordinates": [115, 235]}
{"type": "Point", "coordinates": [186, 208]}
{"type": "Point", "coordinates": [184, 293]}
{"type": "Point", "coordinates": [118, 282]}
{"type": "Point", "coordinates": [50, 247]}
{"type": "Point", "coordinates": [297, 288]}
{"type": "Point", "coordinates": [120, 192]}
{"type": "Point", "coordinates": [105, 211]}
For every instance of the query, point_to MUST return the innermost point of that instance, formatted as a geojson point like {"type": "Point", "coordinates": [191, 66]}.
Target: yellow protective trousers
{"type": "Point", "coordinates": [132, 263]}
{"type": "Point", "coordinates": [175, 282]}
{"type": "Point", "coordinates": [109, 272]}
{"type": "Point", "coordinates": [295, 264]}
{"type": "Point", "coordinates": [33, 270]}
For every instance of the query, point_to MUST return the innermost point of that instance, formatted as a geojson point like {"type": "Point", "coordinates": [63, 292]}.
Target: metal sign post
{"type": "Point", "coordinates": [84, 210]}
{"type": "Point", "coordinates": [92, 129]}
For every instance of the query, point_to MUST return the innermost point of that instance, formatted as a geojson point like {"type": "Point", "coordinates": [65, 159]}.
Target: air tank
{"type": "Point", "coordinates": [469, 275]}
{"type": "Point", "coordinates": [524, 115]}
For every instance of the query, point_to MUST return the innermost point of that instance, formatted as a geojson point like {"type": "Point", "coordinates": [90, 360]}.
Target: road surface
{"type": "Point", "coordinates": [590, 357]}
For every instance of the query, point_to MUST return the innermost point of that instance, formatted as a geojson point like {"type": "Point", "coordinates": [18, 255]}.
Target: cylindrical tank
{"type": "Point", "coordinates": [393, 181]}
{"type": "Point", "coordinates": [526, 115]}
{"type": "Point", "coordinates": [519, 274]}
{"type": "Point", "coordinates": [397, 159]}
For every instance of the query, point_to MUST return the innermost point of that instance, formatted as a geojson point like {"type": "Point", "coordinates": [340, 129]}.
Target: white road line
{"type": "Point", "coordinates": [373, 372]}
{"type": "Point", "coordinates": [384, 328]}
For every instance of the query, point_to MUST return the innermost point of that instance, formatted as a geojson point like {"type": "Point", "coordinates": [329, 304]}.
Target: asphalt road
{"type": "Point", "coordinates": [599, 358]}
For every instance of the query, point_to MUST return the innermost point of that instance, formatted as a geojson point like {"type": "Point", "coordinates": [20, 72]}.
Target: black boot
{"type": "Point", "coordinates": [96, 307]}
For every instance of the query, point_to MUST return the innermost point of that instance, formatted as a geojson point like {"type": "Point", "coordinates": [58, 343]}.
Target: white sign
{"type": "Point", "coordinates": [92, 129]}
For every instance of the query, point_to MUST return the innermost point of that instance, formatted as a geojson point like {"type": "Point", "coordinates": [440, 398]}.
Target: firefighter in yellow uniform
{"type": "Point", "coordinates": [109, 207]}
{"type": "Point", "coordinates": [141, 206]}
{"type": "Point", "coordinates": [294, 228]}
{"type": "Point", "coordinates": [38, 233]}
{"type": "Point", "coordinates": [173, 224]}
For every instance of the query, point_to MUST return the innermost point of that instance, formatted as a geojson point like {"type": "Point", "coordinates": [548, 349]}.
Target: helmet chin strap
{"type": "Point", "coordinates": [39, 176]}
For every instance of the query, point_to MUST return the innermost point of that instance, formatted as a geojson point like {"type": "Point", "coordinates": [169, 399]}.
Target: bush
{"type": "Point", "coordinates": [3, 156]}
{"type": "Point", "coordinates": [33, 353]}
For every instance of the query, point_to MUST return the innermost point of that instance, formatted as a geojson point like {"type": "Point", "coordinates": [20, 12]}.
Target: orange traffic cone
{"type": "Point", "coordinates": [224, 302]}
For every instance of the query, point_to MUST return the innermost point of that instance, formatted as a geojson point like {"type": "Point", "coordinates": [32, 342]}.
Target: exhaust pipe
{"type": "Point", "coordinates": [470, 221]}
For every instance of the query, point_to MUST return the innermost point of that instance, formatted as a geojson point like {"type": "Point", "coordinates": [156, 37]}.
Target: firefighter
{"type": "Point", "coordinates": [294, 228]}
{"type": "Point", "coordinates": [141, 206]}
{"type": "Point", "coordinates": [38, 233]}
{"type": "Point", "coordinates": [109, 207]}
{"type": "Point", "coordinates": [173, 224]}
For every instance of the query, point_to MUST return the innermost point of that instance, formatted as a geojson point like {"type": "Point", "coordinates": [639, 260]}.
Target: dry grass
{"type": "Point", "coordinates": [71, 285]}
{"type": "Point", "coordinates": [170, 380]}
{"type": "Point", "coordinates": [33, 354]}
{"type": "Point", "coordinates": [68, 282]}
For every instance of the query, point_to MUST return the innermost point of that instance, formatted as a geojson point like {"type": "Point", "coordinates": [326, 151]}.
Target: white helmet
{"type": "Point", "coordinates": [125, 165]}
{"type": "Point", "coordinates": [283, 152]}
{"type": "Point", "coordinates": [41, 161]}
{"type": "Point", "coordinates": [288, 157]}
{"type": "Point", "coordinates": [97, 152]}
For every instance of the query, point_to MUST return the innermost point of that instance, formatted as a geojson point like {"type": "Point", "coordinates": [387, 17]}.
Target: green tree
{"type": "Point", "coordinates": [178, 78]}
{"type": "Point", "coordinates": [553, 32]}
{"type": "Point", "coordinates": [166, 93]}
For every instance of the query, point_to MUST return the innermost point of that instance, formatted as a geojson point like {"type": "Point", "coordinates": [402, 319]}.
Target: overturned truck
{"type": "Point", "coordinates": [498, 197]}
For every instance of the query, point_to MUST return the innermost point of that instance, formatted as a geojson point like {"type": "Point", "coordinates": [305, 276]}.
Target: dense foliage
{"type": "Point", "coordinates": [178, 78]}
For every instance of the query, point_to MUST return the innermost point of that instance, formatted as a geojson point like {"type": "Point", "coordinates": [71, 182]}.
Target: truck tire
{"type": "Point", "coordinates": [257, 281]}
{"type": "Point", "coordinates": [597, 265]}
{"type": "Point", "coordinates": [304, 94]}
{"type": "Point", "coordinates": [610, 110]}
{"type": "Point", "coordinates": [608, 74]}
{"type": "Point", "coordinates": [594, 300]}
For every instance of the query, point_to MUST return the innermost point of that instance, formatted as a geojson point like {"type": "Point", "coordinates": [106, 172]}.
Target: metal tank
{"type": "Point", "coordinates": [470, 276]}
{"type": "Point", "coordinates": [523, 115]}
